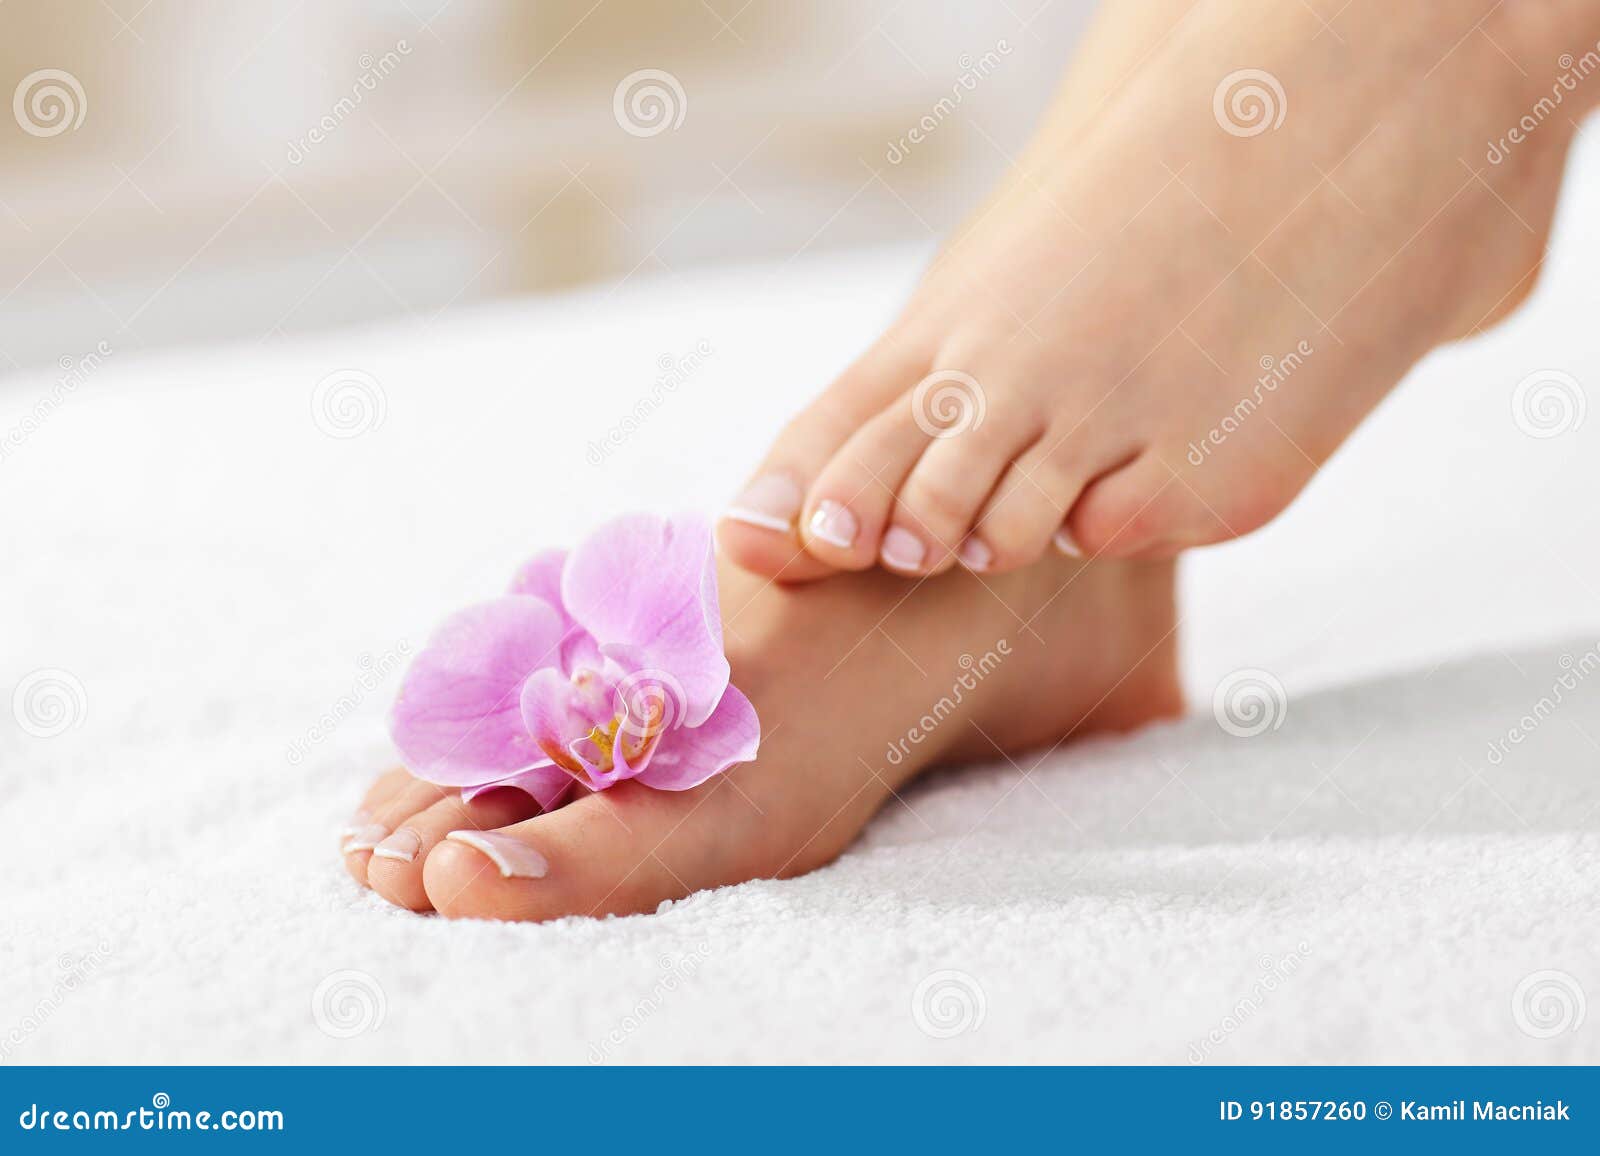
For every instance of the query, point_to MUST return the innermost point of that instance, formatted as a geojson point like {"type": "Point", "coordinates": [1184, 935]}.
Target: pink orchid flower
{"type": "Point", "coordinates": [600, 665]}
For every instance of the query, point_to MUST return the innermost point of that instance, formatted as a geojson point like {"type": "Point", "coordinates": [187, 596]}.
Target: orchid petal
{"type": "Point", "coordinates": [548, 784]}
{"type": "Point", "coordinates": [646, 587]}
{"type": "Point", "coordinates": [688, 757]}
{"type": "Point", "coordinates": [557, 711]}
{"type": "Point", "coordinates": [457, 720]}
{"type": "Point", "coordinates": [540, 577]}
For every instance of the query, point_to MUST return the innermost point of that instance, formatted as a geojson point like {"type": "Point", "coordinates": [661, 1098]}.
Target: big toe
{"type": "Point", "coordinates": [759, 530]}
{"type": "Point", "coordinates": [395, 868]}
{"type": "Point", "coordinates": [622, 852]}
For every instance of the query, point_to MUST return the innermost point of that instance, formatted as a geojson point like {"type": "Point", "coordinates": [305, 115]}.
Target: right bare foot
{"type": "Point", "coordinates": [1171, 259]}
{"type": "Point", "coordinates": [860, 685]}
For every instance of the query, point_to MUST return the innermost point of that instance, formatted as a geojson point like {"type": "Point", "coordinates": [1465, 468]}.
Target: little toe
{"type": "Point", "coordinates": [1137, 511]}
{"type": "Point", "coordinates": [623, 851]}
{"type": "Point", "coordinates": [760, 529]}
{"type": "Point", "coordinates": [395, 869]}
{"type": "Point", "coordinates": [383, 788]}
{"type": "Point", "coordinates": [1163, 503]}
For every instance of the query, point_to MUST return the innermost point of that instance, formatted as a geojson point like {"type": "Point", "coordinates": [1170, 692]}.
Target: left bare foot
{"type": "Point", "coordinates": [834, 669]}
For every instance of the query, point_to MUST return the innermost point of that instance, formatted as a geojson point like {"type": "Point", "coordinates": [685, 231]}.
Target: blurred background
{"type": "Point", "coordinates": [179, 170]}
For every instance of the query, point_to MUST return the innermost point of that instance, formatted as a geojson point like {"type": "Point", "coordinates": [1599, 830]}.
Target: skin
{"type": "Point", "coordinates": [1098, 653]}
{"type": "Point", "coordinates": [1113, 301]}
{"type": "Point", "coordinates": [1121, 293]}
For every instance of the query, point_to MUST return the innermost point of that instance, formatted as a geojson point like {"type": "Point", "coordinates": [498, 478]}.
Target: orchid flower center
{"type": "Point", "coordinates": [632, 731]}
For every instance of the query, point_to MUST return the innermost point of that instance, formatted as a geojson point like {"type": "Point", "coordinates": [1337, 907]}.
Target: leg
{"type": "Point", "coordinates": [1179, 305]}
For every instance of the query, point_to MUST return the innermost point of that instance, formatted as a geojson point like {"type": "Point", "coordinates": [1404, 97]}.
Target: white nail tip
{"type": "Point", "coordinates": [514, 858]}
{"type": "Point", "coordinates": [365, 838]}
{"type": "Point", "coordinates": [975, 556]}
{"type": "Point", "coordinates": [403, 845]}
{"type": "Point", "coordinates": [833, 524]}
{"type": "Point", "coordinates": [757, 518]}
{"type": "Point", "coordinates": [1066, 545]}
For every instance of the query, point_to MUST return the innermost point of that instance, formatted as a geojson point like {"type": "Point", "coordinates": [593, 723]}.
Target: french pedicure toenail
{"type": "Point", "coordinates": [834, 524]}
{"type": "Point", "coordinates": [514, 858]}
{"type": "Point", "coordinates": [975, 555]}
{"type": "Point", "coordinates": [402, 845]}
{"type": "Point", "coordinates": [365, 838]}
{"type": "Point", "coordinates": [357, 822]}
{"type": "Point", "coordinates": [1066, 544]}
{"type": "Point", "coordinates": [902, 549]}
{"type": "Point", "coordinates": [771, 501]}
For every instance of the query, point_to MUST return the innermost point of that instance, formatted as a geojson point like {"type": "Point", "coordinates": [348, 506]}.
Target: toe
{"type": "Point", "coordinates": [400, 803]}
{"type": "Point", "coordinates": [384, 788]}
{"type": "Point", "coordinates": [1024, 515]}
{"type": "Point", "coordinates": [848, 508]}
{"type": "Point", "coordinates": [624, 851]}
{"type": "Point", "coordinates": [936, 507]}
{"type": "Point", "coordinates": [1158, 505]}
{"type": "Point", "coordinates": [395, 870]}
{"type": "Point", "coordinates": [1124, 513]}
{"type": "Point", "coordinates": [760, 529]}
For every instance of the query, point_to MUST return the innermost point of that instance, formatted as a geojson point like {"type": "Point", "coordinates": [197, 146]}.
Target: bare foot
{"type": "Point", "coordinates": [1199, 279]}
{"type": "Point", "coordinates": [847, 677]}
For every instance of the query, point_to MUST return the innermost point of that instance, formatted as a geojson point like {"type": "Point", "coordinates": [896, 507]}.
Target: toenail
{"type": "Point", "coordinates": [365, 838]}
{"type": "Point", "coordinates": [357, 821]}
{"type": "Point", "coordinates": [771, 501]}
{"type": "Point", "coordinates": [975, 555]}
{"type": "Point", "coordinates": [834, 524]}
{"type": "Point", "coordinates": [1067, 544]}
{"type": "Point", "coordinates": [513, 857]}
{"type": "Point", "coordinates": [402, 845]}
{"type": "Point", "coordinates": [902, 549]}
